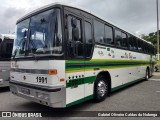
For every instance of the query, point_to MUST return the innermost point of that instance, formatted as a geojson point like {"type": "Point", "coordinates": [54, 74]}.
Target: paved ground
{"type": "Point", "coordinates": [142, 96]}
{"type": "Point", "coordinates": [156, 76]}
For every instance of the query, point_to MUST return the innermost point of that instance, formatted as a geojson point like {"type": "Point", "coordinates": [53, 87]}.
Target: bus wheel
{"type": "Point", "coordinates": [147, 74]}
{"type": "Point", "coordinates": [100, 89]}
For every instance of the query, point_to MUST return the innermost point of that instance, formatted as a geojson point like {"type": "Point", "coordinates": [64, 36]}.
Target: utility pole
{"type": "Point", "coordinates": [157, 32]}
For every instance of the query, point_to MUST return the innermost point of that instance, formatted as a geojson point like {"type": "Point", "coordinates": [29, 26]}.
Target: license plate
{"type": "Point", "coordinates": [25, 91]}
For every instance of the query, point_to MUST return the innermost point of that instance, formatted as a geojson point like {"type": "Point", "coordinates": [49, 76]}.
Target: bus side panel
{"type": "Point", "coordinates": [124, 66]}
{"type": "Point", "coordinates": [89, 85]}
{"type": "Point", "coordinates": [74, 87]}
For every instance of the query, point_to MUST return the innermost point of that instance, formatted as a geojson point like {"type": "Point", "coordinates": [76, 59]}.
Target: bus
{"type": "Point", "coordinates": [63, 55]}
{"type": "Point", "coordinates": [6, 44]}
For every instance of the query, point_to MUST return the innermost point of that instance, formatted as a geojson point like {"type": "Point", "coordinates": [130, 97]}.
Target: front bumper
{"type": "Point", "coordinates": [4, 83]}
{"type": "Point", "coordinates": [49, 96]}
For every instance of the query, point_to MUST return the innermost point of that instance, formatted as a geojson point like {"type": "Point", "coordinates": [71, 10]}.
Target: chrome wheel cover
{"type": "Point", "coordinates": [101, 88]}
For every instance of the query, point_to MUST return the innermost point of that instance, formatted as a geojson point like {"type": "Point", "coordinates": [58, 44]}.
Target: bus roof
{"type": "Point", "coordinates": [9, 36]}
{"type": "Point", "coordinates": [76, 7]}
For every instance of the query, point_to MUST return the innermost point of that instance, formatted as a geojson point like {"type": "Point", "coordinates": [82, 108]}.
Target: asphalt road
{"type": "Point", "coordinates": [142, 96]}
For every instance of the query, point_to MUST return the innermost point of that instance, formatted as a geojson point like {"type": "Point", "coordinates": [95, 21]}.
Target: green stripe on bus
{"type": "Point", "coordinates": [104, 60]}
{"type": "Point", "coordinates": [113, 89]}
{"type": "Point", "coordinates": [103, 63]}
{"type": "Point", "coordinates": [99, 67]}
{"type": "Point", "coordinates": [80, 100]}
{"type": "Point", "coordinates": [80, 81]}
{"type": "Point", "coordinates": [77, 65]}
{"type": "Point", "coordinates": [107, 63]}
{"type": "Point", "coordinates": [126, 84]}
{"type": "Point", "coordinates": [107, 66]}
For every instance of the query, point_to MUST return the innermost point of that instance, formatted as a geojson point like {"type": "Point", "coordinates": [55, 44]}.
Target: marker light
{"type": "Point", "coordinates": [62, 79]}
{"type": "Point", "coordinates": [52, 72]}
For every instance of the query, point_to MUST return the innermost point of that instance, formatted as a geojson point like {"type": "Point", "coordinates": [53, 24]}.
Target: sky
{"type": "Point", "coordinates": [135, 16]}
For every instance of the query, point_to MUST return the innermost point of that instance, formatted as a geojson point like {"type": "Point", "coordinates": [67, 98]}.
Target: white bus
{"type": "Point", "coordinates": [6, 44]}
{"type": "Point", "coordinates": [63, 55]}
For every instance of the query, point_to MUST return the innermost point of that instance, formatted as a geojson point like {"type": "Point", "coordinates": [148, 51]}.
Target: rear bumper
{"type": "Point", "coordinates": [50, 96]}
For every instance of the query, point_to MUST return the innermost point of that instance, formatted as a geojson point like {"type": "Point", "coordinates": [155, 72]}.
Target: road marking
{"type": "Point", "coordinates": [157, 91]}
{"type": "Point", "coordinates": [155, 79]}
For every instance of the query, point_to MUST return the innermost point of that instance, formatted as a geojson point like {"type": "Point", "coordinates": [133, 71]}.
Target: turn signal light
{"type": "Point", "coordinates": [62, 79]}
{"type": "Point", "coordinates": [52, 72]}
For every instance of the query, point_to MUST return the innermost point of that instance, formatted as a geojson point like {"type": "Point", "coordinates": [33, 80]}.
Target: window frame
{"type": "Point", "coordinates": [105, 23]}
{"type": "Point", "coordinates": [132, 41]}
{"type": "Point", "coordinates": [126, 38]}
{"type": "Point", "coordinates": [93, 43]}
{"type": "Point", "coordinates": [95, 28]}
{"type": "Point", "coordinates": [115, 37]}
{"type": "Point", "coordinates": [121, 47]}
{"type": "Point", "coordinates": [112, 34]}
{"type": "Point", "coordinates": [82, 32]}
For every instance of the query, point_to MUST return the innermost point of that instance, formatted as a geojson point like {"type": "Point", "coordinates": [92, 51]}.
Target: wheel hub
{"type": "Point", "coordinates": [102, 88]}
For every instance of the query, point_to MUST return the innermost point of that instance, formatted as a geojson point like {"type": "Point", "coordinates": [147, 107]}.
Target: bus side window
{"type": "Point", "coordinates": [139, 45]}
{"type": "Point", "coordinates": [118, 38]}
{"type": "Point", "coordinates": [134, 39]}
{"type": "Point", "coordinates": [88, 38]}
{"type": "Point", "coordinates": [75, 37]}
{"type": "Point", "coordinates": [132, 43]}
{"type": "Point", "coordinates": [75, 30]}
{"type": "Point", "coordinates": [108, 36]}
{"type": "Point", "coordinates": [142, 45]}
{"type": "Point", "coordinates": [74, 26]}
{"type": "Point", "coordinates": [146, 47]}
{"type": "Point", "coordinates": [124, 40]}
{"type": "Point", "coordinates": [121, 39]}
{"type": "Point", "coordinates": [99, 32]}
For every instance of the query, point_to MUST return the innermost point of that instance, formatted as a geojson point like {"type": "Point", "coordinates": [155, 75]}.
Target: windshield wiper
{"type": "Point", "coordinates": [13, 57]}
{"type": "Point", "coordinates": [14, 54]}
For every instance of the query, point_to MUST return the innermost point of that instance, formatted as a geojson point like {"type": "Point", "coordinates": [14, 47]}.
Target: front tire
{"type": "Point", "coordinates": [100, 89]}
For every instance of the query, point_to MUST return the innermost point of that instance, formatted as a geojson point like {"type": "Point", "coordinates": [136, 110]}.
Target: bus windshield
{"type": "Point", "coordinates": [39, 35]}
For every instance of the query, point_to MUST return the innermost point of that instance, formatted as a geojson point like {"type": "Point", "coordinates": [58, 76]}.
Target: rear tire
{"type": "Point", "coordinates": [100, 89]}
